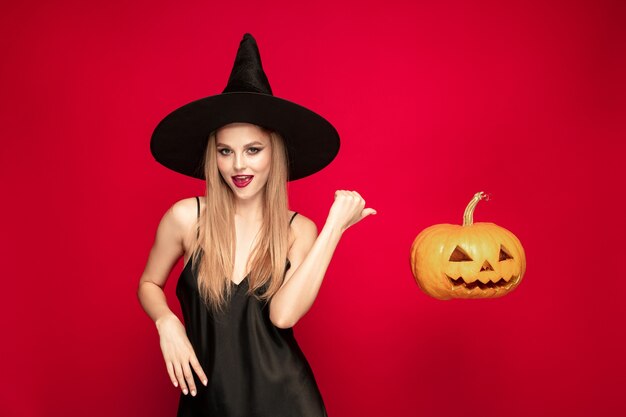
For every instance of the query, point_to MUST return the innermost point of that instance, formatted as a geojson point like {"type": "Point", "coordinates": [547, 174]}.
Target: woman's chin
{"type": "Point", "coordinates": [244, 194]}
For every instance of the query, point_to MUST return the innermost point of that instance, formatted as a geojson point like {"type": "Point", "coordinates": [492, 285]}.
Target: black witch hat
{"type": "Point", "coordinates": [179, 141]}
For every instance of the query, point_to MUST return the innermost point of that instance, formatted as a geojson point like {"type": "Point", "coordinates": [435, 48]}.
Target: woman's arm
{"type": "Point", "coordinates": [178, 352]}
{"type": "Point", "coordinates": [310, 256]}
{"type": "Point", "coordinates": [166, 250]}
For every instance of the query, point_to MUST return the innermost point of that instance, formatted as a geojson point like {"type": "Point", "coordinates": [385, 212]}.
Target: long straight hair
{"type": "Point", "coordinates": [213, 253]}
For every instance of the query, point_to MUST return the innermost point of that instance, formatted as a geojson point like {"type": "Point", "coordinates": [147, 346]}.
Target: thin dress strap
{"type": "Point", "coordinates": [198, 203]}
{"type": "Point", "coordinates": [294, 215]}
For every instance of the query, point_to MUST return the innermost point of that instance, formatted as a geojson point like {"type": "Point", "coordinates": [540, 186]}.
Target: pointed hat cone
{"type": "Point", "coordinates": [247, 73]}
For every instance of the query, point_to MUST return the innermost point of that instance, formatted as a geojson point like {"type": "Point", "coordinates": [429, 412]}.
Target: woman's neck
{"type": "Point", "coordinates": [249, 211]}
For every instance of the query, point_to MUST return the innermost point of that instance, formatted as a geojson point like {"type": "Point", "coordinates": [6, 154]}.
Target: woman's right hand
{"type": "Point", "coordinates": [179, 354]}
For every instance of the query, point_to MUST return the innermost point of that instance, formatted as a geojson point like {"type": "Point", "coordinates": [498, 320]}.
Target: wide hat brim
{"type": "Point", "coordinates": [179, 141]}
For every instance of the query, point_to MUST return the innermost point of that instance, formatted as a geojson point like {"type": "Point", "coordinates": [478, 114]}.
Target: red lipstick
{"type": "Point", "coordinates": [242, 180]}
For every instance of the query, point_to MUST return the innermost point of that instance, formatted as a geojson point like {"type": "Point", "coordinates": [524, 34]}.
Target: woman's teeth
{"type": "Point", "coordinates": [242, 180]}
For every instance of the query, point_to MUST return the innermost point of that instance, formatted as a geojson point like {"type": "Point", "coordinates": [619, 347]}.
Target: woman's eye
{"type": "Point", "coordinates": [252, 151]}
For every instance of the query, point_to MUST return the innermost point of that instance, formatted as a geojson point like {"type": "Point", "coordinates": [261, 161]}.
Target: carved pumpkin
{"type": "Point", "coordinates": [475, 260]}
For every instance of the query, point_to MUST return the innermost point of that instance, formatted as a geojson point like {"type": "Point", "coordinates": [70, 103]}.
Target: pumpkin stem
{"type": "Point", "coordinates": [468, 216]}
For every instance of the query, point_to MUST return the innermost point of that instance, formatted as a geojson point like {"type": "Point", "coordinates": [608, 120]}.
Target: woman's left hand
{"type": "Point", "coordinates": [347, 209]}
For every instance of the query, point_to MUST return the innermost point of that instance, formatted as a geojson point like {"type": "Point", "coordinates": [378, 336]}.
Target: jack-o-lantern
{"type": "Point", "coordinates": [475, 260]}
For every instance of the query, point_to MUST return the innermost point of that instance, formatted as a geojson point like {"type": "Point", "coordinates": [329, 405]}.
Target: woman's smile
{"type": "Point", "coordinates": [242, 180]}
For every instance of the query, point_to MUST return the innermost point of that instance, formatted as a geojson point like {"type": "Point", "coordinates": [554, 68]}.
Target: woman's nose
{"type": "Point", "coordinates": [239, 162]}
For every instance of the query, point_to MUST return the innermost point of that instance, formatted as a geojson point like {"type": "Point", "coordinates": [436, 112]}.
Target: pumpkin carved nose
{"type": "Point", "coordinates": [486, 267]}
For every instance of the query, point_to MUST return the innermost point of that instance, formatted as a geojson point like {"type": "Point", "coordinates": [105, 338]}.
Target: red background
{"type": "Point", "coordinates": [433, 102]}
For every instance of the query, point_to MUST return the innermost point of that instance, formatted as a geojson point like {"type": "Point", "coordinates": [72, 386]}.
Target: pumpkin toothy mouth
{"type": "Point", "coordinates": [499, 284]}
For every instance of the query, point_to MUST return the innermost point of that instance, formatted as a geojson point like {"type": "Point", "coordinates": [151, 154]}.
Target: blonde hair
{"type": "Point", "coordinates": [213, 252]}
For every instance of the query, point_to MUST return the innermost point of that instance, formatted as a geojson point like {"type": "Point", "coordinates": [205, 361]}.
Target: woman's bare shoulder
{"type": "Point", "coordinates": [304, 234]}
{"type": "Point", "coordinates": [186, 207]}
{"type": "Point", "coordinates": [301, 224]}
{"type": "Point", "coordinates": [184, 213]}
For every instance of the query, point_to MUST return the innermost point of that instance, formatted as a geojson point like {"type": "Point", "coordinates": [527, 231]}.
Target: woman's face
{"type": "Point", "coordinates": [243, 158]}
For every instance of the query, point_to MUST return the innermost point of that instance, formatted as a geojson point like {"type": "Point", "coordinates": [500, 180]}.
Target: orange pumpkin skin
{"type": "Point", "coordinates": [473, 260]}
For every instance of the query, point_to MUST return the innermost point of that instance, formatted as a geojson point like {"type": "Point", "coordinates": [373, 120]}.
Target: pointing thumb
{"type": "Point", "coordinates": [368, 211]}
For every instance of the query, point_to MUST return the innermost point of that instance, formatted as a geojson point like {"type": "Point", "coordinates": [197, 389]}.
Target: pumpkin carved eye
{"type": "Point", "coordinates": [459, 255]}
{"type": "Point", "coordinates": [504, 254]}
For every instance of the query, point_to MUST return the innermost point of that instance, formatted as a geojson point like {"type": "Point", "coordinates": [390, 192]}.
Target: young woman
{"type": "Point", "coordinates": [252, 268]}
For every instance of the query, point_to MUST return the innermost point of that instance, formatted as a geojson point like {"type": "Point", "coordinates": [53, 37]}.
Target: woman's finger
{"type": "Point", "coordinates": [199, 371]}
{"type": "Point", "coordinates": [189, 378]}
{"type": "Point", "coordinates": [181, 378]}
{"type": "Point", "coordinates": [366, 212]}
{"type": "Point", "coordinates": [170, 372]}
{"type": "Point", "coordinates": [359, 199]}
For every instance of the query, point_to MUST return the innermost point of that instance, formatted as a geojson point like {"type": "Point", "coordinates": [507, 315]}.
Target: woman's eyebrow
{"type": "Point", "coordinates": [256, 142]}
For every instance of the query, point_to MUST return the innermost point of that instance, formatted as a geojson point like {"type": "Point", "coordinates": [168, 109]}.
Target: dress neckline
{"type": "Point", "coordinates": [188, 264]}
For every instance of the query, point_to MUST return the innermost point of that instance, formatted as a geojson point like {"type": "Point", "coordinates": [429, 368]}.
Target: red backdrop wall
{"type": "Point", "coordinates": [434, 101]}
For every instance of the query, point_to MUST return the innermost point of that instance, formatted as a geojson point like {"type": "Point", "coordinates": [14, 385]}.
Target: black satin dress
{"type": "Point", "coordinates": [254, 368]}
